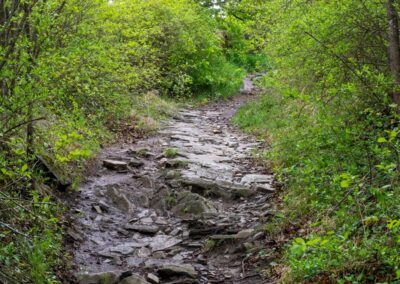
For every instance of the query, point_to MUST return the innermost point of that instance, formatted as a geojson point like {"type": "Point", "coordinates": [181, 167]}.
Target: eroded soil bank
{"type": "Point", "coordinates": [184, 206]}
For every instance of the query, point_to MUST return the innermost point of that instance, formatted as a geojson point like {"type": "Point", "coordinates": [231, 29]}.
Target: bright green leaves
{"type": "Point", "coordinates": [315, 254]}
{"type": "Point", "coordinates": [84, 66]}
{"type": "Point", "coordinates": [174, 47]}
{"type": "Point", "coordinates": [334, 135]}
{"type": "Point", "coordinates": [393, 225]}
{"type": "Point", "coordinates": [346, 180]}
{"type": "Point", "coordinates": [391, 136]}
{"type": "Point", "coordinates": [382, 140]}
{"type": "Point", "coordinates": [298, 247]}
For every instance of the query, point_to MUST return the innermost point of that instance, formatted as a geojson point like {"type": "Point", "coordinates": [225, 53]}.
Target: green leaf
{"type": "Point", "coordinates": [345, 183]}
{"type": "Point", "coordinates": [24, 168]}
{"type": "Point", "coordinates": [382, 140]}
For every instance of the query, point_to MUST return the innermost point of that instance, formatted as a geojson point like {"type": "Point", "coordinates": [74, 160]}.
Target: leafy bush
{"type": "Point", "coordinates": [340, 172]}
{"type": "Point", "coordinates": [334, 141]}
{"type": "Point", "coordinates": [70, 73]}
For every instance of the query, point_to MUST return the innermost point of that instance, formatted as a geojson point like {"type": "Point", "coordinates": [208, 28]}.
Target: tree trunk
{"type": "Point", "coordinates": [394, 46]}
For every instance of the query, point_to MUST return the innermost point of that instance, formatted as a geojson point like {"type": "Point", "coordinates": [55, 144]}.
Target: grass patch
{"type": "Point", "coordinates": [209, 245]}
{"type": "Point", "coordinates": [259, 117]}
{"type": "Point", "coordinates": [150, 109]}
{"type": "Point", "coordinates": [171, 152]}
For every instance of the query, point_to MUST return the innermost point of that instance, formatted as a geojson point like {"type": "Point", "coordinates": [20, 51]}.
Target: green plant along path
{"type": "Point", "coordinates": [75, 75]}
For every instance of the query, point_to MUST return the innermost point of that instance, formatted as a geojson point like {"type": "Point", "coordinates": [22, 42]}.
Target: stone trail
{"type": "Point", "coordinates": [184, 206]}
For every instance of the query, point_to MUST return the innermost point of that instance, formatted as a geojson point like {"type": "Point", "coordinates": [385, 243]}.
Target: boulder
{"type": "Point", "coordinates": [192, 204]}
{"type": "Point", "coordinates": [120, 199]}
{"type": "Point", "coordinates": [264, 188]}
{"type": "Point", "coordinates": [256, 178]}
{"type": "Point", "coordinates": [170, 270]}
{"type": "Point", "coordinates": [53, 172]}
{"type": "Point", "coordinates": [162, 242]}
{"type": "Point", "coordinates": [147, 229]}
{"type": "Point", "coordinates": [133, 279]}
{"type": "Point", "coordinates": [136, 163]}
{"type": "Point", "coordinates": [244, 234]}
{"type": "Point", "coordinates": [143, 252]}
{"type": "Point", "coordinates": [146, 181]}
{"type": "Point", "coordinates": [75, 235]}
{"type": "Point", "coordinates": [108, 277]}
{"type": "Point", "coordinates": [115, 165]}
{"type": "Point", "coordinates": [219, 188]}
{"type": "Point", "coordinates": [204, 186]}
{"type": "Point", "coordinates": [125, 249]}
{"type": "Point", "coordinates": [172, 174]}
{"type": "Point", "coordinates": [153, 279]}
{"type": "Point", "coordinates": [141, 151]}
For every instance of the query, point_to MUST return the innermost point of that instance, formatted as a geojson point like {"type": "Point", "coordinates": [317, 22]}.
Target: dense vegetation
{"type": "Point", "coordinates": [73, 73]}
{"type": "Point", "coordinates": [331, 117]}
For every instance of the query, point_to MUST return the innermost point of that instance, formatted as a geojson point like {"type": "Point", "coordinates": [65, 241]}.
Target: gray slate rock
{"type": "Point", "coordinates": [192, 204]}
{"type": "Point", "coordinates": [147, 229]}
{"type": "Point", "coordinates": [120, 199]}
{"type": "Point", "coordinates": [153, 279]}
{"type": "Point", "coordinates": [244, 234]}
{"type": "Point", "coordinates": [256, 178]}
{"type": "Point", "coordinates": [168, 270]}
{"type": "Point", "coordinates": [136, 163]}
{"type": "Point", "coordinates": [133, 279]}
{"type": "Point", "coordinates": [115, 165]}
{"type": "Point", "coordinates": [265, 188]}
{"type": "Point", "coordinates": [127, 248]}
{"type": "Point", "coordinates": [141, 151]}
{"type": "Point", "coordinates": [162, 242]}
{"type": "Point", "coordinates": [109, 277]}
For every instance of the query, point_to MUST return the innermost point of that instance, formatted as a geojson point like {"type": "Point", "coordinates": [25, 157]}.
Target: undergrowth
{"type": "Point", "coordinates": [341, 197]}
{"type": "Point", "coordinates": [30, 214]}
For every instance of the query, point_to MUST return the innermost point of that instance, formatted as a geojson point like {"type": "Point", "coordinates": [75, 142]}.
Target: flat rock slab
{"type": "Point", "coordinates": [115, 165]}
{"type": "Point", "coordinates": [240, 235]}
{"type": "Point", "coordinates": [136, 163]}
{"type": "Point", "coordinates": [133, 279]}
{"type": "Point", "coordinates": [153, 279]}
{"type": "Point", "coordinates": [255, 178]}
{"type": "Point", "coordinates": [126, 248]}
{"type": "Point", "coordinates": [147, 229]}
{"type": "Point", "coordinates": [169, 270]}
{"type": "Point", "coordinates": [192, 204]}
{"type": "Point", "coordinates": [110, 277]}
{"type": "Point", "coordinates": [162, 242]}
{"type": "Point", "coordinates": [120, 199]}
{"type": "Point", "coordinates": [220, 188]}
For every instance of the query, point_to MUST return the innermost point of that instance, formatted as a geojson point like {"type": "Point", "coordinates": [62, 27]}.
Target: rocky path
{"type": "Point", "coordinates": [184, 206]}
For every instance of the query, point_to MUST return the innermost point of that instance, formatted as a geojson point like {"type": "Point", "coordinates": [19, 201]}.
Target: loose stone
{"type": "Point", "coordinates": [153, 279]}
{"type": "Point", "coordinates": [147, 229]}
{"type": "Point", "coordinates": [115, 165]}
{"type": "Point", "coordinates": [162, 242]}
{"type": "Point", "coordinates": [177, 269]}
{"type": "Point", "coordinates": [109, 277]}
{"type": "Point", "coordinates": [133, 279]}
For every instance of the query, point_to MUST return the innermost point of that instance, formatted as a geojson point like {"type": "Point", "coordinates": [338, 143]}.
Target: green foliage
{"type": "Point", "coordinates": [342, 181]}
{"type": "Point", "coordinates": [71, 74]}
{"type": "Point", "coordinates": [29, 256]}
{"type": "Point", "coordinates": [333, 136]}
{"type": "Point", "coordinates": [171, 152]}
{"type": "Point", "coordinates": [149, 109]}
